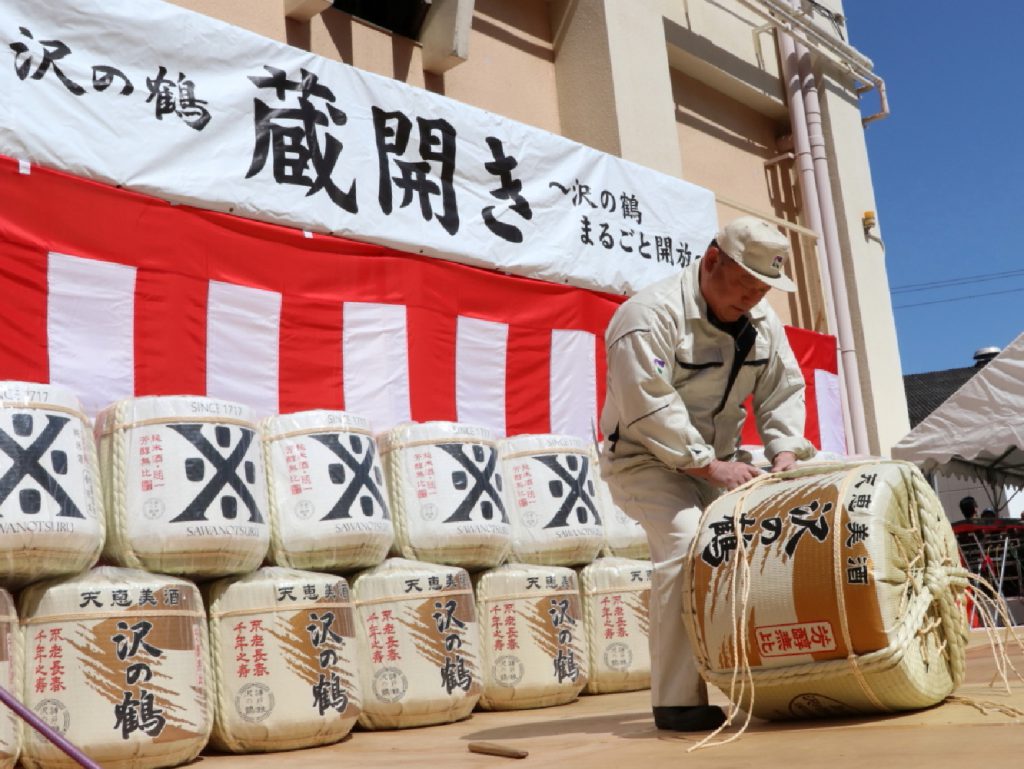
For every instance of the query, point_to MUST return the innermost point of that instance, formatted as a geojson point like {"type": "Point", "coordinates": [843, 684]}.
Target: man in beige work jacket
{"type": "Point", "coordinates": [683, 355]}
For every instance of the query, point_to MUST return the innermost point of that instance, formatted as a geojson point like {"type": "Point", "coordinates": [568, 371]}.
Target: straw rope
{"type": "Point", "coordinates": [301, 432]}
{"type": "Point", "coordinates": [39, 406]}
{"type": "Point", "coordinates": [359, 602]}
{"type": "Point", "coordinates": [389, 445]}
{"type": "Point", "coordinates": [221, 733]}
{"type": "Point", "coordinates": [117, 487]}
{"type": "Point", "coordinates": [279, 554]}
{"type": "Point", "coordinates": [396, 495]}
{"type": "Point", "coordinates": [75, 616]}
{"type": "Point", "coordinates": [739, 573]}
{"type": "Point", "coordinates": [280, 608]}
{"type": "Point", "coordinates": [117, 426]}
{"type": "Point", "coordinates": [580, 451]}
{"type": "Point", "coordinates": [939, 586]}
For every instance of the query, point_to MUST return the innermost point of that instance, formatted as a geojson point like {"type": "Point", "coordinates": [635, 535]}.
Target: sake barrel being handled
{"type": "Point", "coordinates": [830, 590]}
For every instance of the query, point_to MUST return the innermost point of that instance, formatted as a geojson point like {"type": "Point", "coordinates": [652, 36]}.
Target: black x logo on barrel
{"type": "Point", "coordinates": [26, 464]}
{"type": "Point", "coordinates": [577, 491]}
{"type": "Point", "coordinates": [481, 483]}
{"type": "Point", "coordinates": [362, 477]}
{"type": "Point", "coordinates": [225, 473]}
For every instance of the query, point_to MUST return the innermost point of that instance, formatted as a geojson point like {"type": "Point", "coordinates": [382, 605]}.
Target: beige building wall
{"type": "Point", "coordinates": [510, 43]}
{"type": "Point", "coordinates": [691, 88]}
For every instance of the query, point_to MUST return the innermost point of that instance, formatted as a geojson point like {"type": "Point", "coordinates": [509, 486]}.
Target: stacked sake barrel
{"type": "Point", "coordinates": [447, 494]}
{"type": "Point", "coordinates": [328, 503]}
{"type": "Point", "coordinates": [11, 663]}
{"type": "Point", "coordinates": [184, 486]}
{"type": "Point", "coordinates": [420, 642]}
{"type": "Point", "coordinates": [117, 662]}
{"type": "Point", "coordinates": [51, 509]}
{"type": "Point", "coordinates": [306, 486]}
{"type": "Point", "coordinates": [856, 593]}
{"type": "Point", "coordinates": [285, 660]}
{"type": "Point", "coordinates": [193, 489]}
{"type": "Point", "coordinates": [534, 644]}
{"type": "Point", "coordinates": [616, 594]}
{"type": "Point", "coordinates": [553, 499]}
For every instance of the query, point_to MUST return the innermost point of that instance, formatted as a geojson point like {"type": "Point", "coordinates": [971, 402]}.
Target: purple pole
{"type": "Point", "coordinates": [46, 730]}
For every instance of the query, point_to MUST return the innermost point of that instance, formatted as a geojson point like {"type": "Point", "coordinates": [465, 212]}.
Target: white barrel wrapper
{"type": "Point", "coordinates": [552, 499]}
{"type": "Point", "coordinates": [12, 660]}
{"type": "Point", "coordinates": [447, 496]}
{"type": "Point", "coordinates": [126, 670]}
{"type": "Point", "coordinates": [616, 596]}
{"type": "Point", "coordinates": [533, 636]}
{"type": "Point", "coordinates": [328, 501]}
{"type": "Point", "coordinates": [283, 652]}
{"type": "Point", "coordinates": [419, 644]}
{"type": "Point", "coordinates": [184, 485]}
{"type": "Point", "coordinates": [51, 508]}
{"type": "Point", "coordinates": [850, 589]}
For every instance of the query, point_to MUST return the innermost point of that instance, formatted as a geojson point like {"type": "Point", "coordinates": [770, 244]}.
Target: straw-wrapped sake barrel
{"type": "Point", "coordinates": [184, 486]}
{"type": "Point", "coordinates": [552, 499]}
{"type": "Point", "coordinates": [534, 643]}
{"type": "Point", "coordinates": [284, 659]}
{"type": "Point", "coordinates": [328, 502]}
{"type": "Point", "coordinates": [844, 588]}
{"type": "Point", "coordinates": [126, 670]}
{"type": "Point", "coordinates": [419, 644]}
{"type": "Point", "coordinates": [616, 595]}
{"type": "Point", "coordinates": [11, 662]}
{"type": "Point", "coordinates": [447, 494]}
{"type": "Point", "coordinates": [51, 508]}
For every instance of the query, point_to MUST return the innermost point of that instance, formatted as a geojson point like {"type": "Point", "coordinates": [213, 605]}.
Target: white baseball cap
{"type": "Point", "coordinates": [759, 248]}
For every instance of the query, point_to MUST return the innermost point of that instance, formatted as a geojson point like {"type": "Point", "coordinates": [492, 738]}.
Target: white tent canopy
{"type": "Point", "coordinates": [981, 424]}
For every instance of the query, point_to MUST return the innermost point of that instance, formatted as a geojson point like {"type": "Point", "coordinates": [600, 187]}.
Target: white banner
{"type": "Point", "coordinates": [168, 102]}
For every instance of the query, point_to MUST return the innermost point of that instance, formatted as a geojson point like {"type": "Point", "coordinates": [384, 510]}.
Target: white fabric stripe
{"type": "Point", "coordinates": [375, 362]}
{"type": "Point", "coordinates": [90, 328]}
{"type": "Point", "coordinates": [573, 383]}
{"type": "Point", "coordinates": [243, 327]}
{"type": "Point", "coordinates": [830, 412]}
{"type": "Point", "coordinates": [480, 350]}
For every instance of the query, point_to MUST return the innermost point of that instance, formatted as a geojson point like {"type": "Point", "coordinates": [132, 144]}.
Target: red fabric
{"type": "Point", "coordinates": [177, 250]}
{"type": "Point", "coordinates": [812, 351]}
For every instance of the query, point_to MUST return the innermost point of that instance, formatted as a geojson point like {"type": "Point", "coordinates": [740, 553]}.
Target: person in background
{"type": "Point", "coordinates": [683, 355]}
{"type": "Point", "coordinates": [969, 511]}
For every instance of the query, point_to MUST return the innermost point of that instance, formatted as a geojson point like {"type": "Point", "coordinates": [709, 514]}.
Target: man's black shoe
{"type": "Point", "coordinates": [692, 718]}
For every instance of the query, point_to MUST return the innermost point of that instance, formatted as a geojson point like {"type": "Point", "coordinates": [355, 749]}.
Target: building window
{"type": "Point", "coordinates": [403, 17]}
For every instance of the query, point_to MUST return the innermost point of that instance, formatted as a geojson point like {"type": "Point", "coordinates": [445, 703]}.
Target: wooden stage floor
{"type": "Point", "coordinates": [616, 731]}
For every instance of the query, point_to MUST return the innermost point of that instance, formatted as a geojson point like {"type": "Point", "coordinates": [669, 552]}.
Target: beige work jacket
{"type": "Point", "coordinates": [669, 398]}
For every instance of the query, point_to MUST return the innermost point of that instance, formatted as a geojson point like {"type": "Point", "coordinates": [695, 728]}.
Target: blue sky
{"type": "Point", "coordinates": [948, 170]}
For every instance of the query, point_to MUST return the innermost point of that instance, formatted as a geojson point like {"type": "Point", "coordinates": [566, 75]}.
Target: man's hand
{"type": "Point", "coordinates": [784, 460]}
{"type": "Point", "coordinates": [726, 475]}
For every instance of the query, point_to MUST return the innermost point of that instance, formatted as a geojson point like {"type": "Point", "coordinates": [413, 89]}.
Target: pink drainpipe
{"type": "Point", "coordinates": [809, 144]}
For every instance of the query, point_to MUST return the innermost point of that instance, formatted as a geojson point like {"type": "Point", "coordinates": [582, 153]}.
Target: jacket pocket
{"type": "Point", "coordinates": [695, 368]}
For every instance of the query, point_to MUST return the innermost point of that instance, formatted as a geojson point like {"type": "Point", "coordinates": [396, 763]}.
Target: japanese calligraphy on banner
{"type": "Point", "coordinates": [122, 92]}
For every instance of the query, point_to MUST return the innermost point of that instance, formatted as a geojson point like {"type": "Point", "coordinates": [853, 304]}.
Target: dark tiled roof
{"type": "Point", "coordinates": [926, 392]}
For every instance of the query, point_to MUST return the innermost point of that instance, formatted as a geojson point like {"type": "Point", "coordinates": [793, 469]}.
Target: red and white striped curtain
{"type": "Point", "coordinates": [114, 294]}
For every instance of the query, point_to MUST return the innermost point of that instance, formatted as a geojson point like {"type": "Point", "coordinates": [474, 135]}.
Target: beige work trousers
{"type": "Point", "coordinates": [668, 506]}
